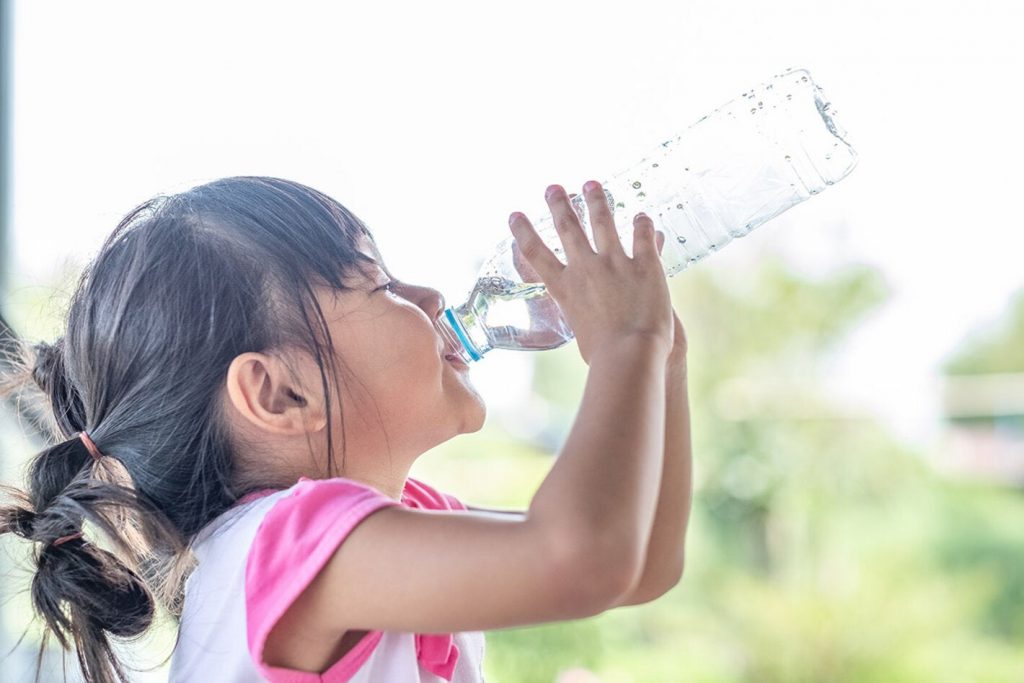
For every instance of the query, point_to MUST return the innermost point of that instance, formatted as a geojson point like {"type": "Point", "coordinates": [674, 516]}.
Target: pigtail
{"type": "Point", "coordinates": [83, 592]}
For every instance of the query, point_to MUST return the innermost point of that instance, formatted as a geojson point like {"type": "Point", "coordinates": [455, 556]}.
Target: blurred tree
{"type": "Point", "coordinates": [763, 420]}
{"type": "Point", "coordinates": [821, 547]}
{"type": "Point", "coordinates": [995, 348]}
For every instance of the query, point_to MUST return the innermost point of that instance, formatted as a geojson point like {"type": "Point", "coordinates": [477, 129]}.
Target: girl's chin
{"type": "Point", "coordinates": [476, 423]}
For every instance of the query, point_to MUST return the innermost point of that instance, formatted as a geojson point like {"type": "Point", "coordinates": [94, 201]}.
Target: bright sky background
{"type": "Point", "coordinates": [433, 121]}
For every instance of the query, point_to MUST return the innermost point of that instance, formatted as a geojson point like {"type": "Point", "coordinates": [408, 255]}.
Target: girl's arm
{"type": "Point", "coordinates": [663, 565]}
{"type": "Point", "coordinates": [579, 548]}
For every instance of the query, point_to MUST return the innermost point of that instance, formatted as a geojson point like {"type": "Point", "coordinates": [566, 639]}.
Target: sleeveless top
{"type": "Point", "coordinates": [255, 559]}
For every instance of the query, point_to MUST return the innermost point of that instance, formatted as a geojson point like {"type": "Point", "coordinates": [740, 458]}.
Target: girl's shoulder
{"type": "Point", "coordinates": [255, 559]}
{"type": "Point", "coordinates": [318, 497]}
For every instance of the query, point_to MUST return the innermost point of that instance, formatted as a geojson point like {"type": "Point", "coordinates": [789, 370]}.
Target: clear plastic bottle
{"type": "Point", "coordinates": [741, 165]}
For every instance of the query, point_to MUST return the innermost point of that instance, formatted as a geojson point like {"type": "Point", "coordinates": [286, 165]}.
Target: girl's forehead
{"type": "Point", "coordinates": [369, 249]}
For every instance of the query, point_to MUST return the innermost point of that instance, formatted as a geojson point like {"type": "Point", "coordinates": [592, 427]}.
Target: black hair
{"type": "Point", "coordinates": [183, 285]}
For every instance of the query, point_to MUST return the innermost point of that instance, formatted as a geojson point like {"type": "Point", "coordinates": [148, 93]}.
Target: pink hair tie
{"type": "Point", "coordinates": [90, 445]}
{"type": "Point", "coordinates": [63, 539]}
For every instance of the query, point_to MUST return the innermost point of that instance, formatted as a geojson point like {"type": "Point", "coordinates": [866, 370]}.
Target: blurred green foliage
{"type": "Point", "coordinates": [996, 348]}
{"type": "Point", "coordinates": [821, 548]}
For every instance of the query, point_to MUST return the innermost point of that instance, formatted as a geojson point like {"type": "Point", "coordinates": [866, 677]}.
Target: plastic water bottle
{"type": "Point", "coordinates": [749, 160]}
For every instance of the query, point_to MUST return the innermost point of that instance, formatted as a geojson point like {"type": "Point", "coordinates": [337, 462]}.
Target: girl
{"type": "Point", "coordinates": [214, 349]}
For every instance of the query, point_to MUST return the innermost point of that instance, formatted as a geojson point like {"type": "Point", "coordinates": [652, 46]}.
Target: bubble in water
{"type": "Point", "coordinates": [760, 105]}
{"type": "Point", "coordinates": [679, 206]}
{"type": "Point", "coordinates": [620, 205]}
{"type": "Point", "coordinates": [789, 158]}
{"type": "Point", "coordinates": [636, 184]}
{"type": "Point", "coordinates": [641, 195]}
{"type": "Point", "coordinates": [654, 165]}
{"type": "Point", "coordinates": [828, 156]}
{"type": "Point", "coordinates": [753, 110]}
{"type": "Point", "coordinates": [681, 240]}
{"type": "Point", "coordinates": [803, 78]}
{"type": "Point", "coordinates": [789, 96]}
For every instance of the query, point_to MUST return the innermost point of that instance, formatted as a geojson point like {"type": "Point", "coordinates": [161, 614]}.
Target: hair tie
{"type": "Point", "coordinates": [63, 539]}
{"type": "Point", "coordinates": [96, 455]}
{"type": "Point", "coordinates": [95, 452]}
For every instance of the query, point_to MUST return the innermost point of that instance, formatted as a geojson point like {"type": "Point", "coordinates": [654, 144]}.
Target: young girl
{"type": "Point", "coordinates": [216, 347]}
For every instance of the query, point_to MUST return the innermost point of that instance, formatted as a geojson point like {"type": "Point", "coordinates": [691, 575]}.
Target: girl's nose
{"type": "Point", "coordinates": [433, 303]}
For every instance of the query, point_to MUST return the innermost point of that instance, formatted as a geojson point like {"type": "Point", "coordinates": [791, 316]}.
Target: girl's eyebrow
{"type": "Point", "coordinates": [379, 261]}
{"type": "Point", "coordinates": [382, 267]}
{"type": "Point", "coordinates": [375, 257]}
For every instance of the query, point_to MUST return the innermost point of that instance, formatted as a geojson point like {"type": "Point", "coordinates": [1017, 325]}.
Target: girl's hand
{"type": "Point", "coordinates": [605, 295]}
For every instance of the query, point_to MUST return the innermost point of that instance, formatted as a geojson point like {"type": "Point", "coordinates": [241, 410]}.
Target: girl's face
{"type": "Point", "coordinates": [399, 393]}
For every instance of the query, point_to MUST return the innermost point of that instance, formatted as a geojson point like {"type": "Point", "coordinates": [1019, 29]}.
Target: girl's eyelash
{"type": "Point", "coordinates": [387, 286]}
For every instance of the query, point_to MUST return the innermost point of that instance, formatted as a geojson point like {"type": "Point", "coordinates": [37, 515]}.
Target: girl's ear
{"type": "Point", "coordinates": [273, 396]}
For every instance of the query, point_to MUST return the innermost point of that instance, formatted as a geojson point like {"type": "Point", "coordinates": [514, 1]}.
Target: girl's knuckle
{"type": "Point", "coordinates": [530, 249]}
{"type": "Point", "coordinates": [565, 223]}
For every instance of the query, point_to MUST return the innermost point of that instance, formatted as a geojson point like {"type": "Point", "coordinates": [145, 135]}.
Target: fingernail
{"type": "Point", "coordinates": [552, 189]}
{"type": "Point", "coordinates": [591, 186]}
{"type": "Point", "coordinates": [514, 217]}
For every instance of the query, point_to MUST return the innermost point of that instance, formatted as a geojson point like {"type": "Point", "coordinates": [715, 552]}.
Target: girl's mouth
{"type": "Point", "coordinates": [455, 360]}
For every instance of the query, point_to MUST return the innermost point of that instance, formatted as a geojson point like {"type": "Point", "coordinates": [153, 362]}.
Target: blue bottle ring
{"type": "Point", "coordinates": [466, 344]}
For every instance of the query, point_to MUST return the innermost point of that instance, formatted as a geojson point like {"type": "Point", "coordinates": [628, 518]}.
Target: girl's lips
{"type": "Point", "coordinates": [455, 360]}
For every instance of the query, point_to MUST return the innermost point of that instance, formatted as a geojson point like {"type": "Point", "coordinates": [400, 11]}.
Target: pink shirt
{"type": "Point", "coordinates": [257, 558]}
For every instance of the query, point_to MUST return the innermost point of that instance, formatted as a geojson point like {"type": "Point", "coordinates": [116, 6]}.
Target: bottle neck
{"type": "Point", "coordinates": [453, 330]}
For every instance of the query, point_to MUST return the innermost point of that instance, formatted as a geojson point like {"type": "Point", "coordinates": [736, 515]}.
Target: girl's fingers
{"type": "Point", "coordinates": [643, 237]}
{"type": "Point", "coordinates": [529, 243]}
{"type": "Point", "coordinates": [601, 220]}
{"type": "Point", "coordinates": [526, 271]}
{"type": "Point", "coordinates": [567, 223]}
{"type": "Point", "coordinates": [659, 238]}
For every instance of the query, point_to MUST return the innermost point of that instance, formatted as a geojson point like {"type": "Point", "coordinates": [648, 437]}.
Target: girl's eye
{"type": "Point", "coordinates": [388, 287]}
